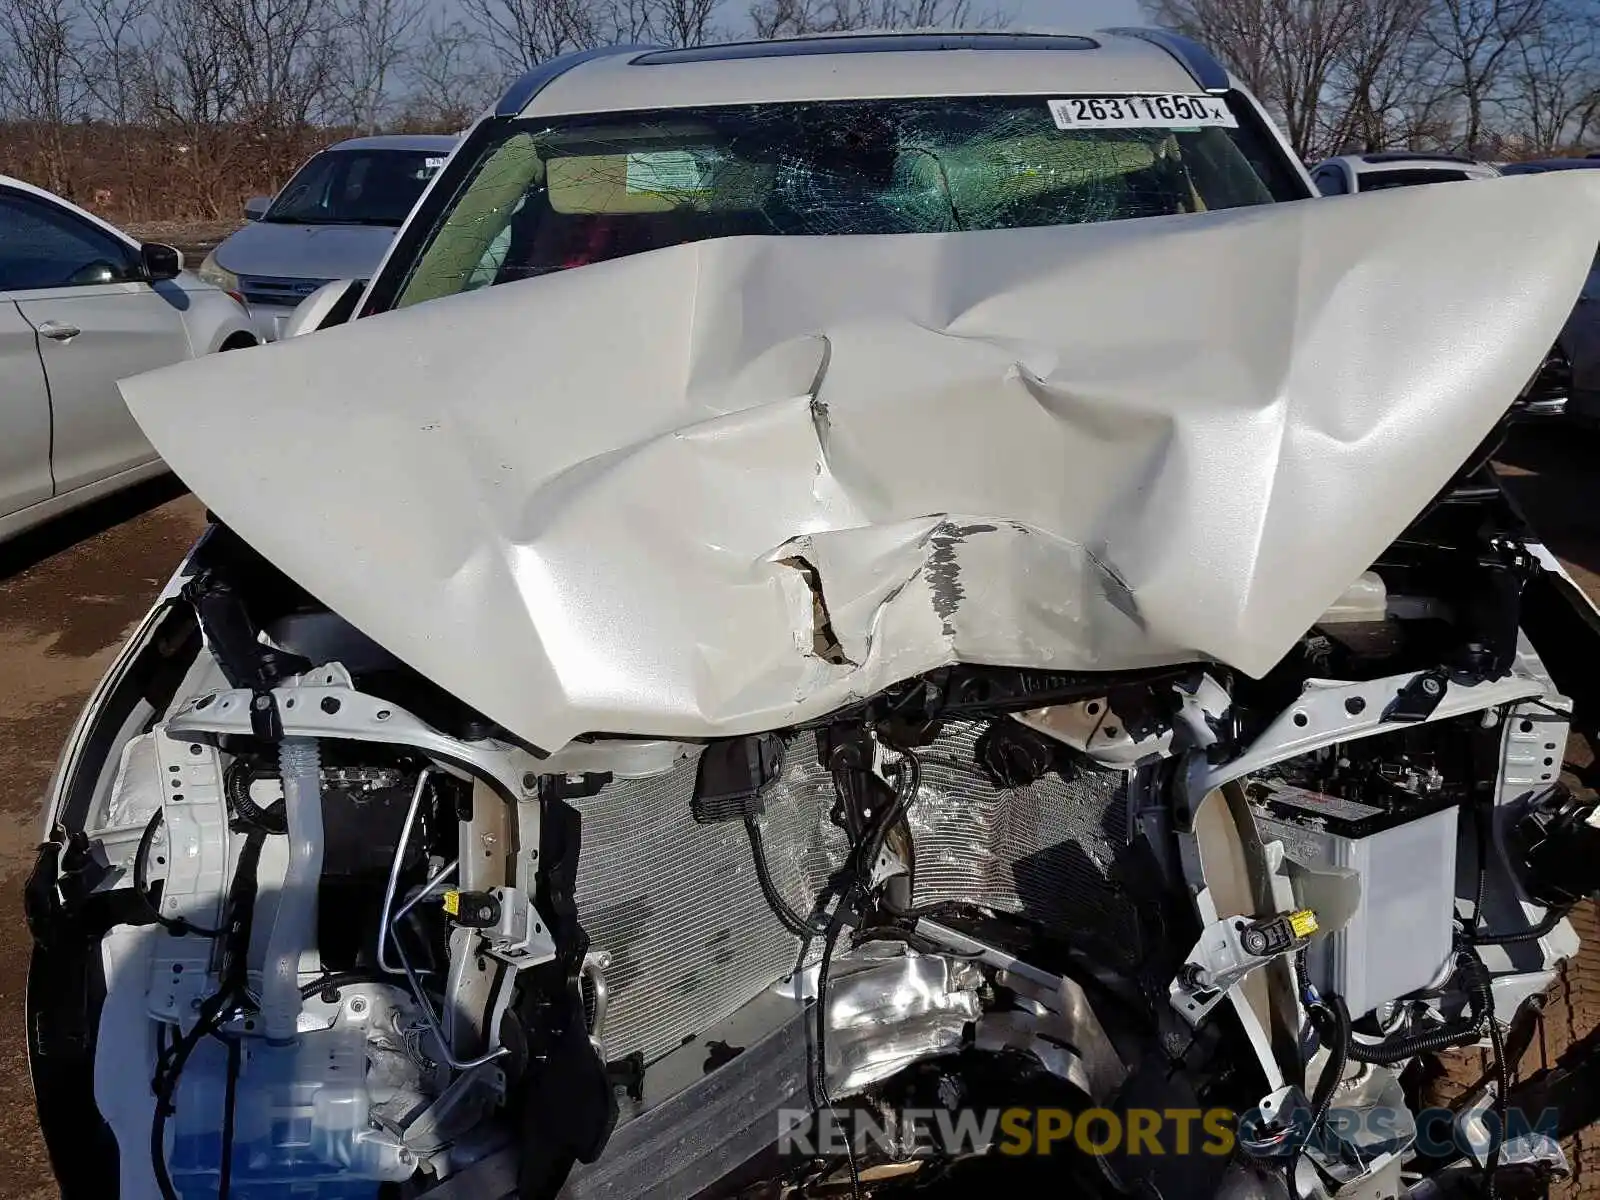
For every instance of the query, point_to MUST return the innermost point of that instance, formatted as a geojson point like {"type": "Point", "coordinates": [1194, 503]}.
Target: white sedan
{"type": "Point", "coordinates": [83, 305]}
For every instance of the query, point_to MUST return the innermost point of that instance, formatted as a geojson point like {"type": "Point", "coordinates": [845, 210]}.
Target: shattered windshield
{"type": "Point", "coordinates": [356, 187]}
{"type": "Point", "coordinates": [549, 194]}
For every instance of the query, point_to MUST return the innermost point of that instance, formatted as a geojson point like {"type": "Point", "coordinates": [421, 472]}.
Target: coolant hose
{"type": "Point", "coordinates": [294, 926]}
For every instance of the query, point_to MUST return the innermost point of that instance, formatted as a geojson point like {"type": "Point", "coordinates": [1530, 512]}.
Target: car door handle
{"type": "Point", "coordinates": [58, 331]}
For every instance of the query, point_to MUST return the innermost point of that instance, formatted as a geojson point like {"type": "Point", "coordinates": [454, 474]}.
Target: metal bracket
{"type": "Point", "coordinates": [196, 850]}
{"type": "Point", "coordinates": [325, 704]}
{"type": "Point", "coordinates": [1230, 949]}
{"type": "Point", "coordinates": [519, 938]}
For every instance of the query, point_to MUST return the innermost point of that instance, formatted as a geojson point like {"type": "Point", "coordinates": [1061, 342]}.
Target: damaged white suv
{"type": "Point", "coordinates": [891, 677]}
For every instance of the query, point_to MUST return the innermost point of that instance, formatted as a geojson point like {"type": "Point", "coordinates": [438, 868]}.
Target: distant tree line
{"type": "Point", "coordinates": [1496, 79]}
{"type": "Point", "coordinates": [157, 109]}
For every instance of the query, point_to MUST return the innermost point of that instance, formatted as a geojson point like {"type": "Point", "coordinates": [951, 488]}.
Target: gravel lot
{"type": "Point", "coordinates": [69, 593]}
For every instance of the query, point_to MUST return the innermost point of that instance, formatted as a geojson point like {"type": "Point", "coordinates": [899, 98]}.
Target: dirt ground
{"type": "Point", "coordinates": [69, 593]}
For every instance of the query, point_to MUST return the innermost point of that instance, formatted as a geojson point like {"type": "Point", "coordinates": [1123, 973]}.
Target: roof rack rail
{"type": "Point", "coordinates": [1391, 156]}
{"type": "Point", "coordinates": [534, 81]}
{"type": "Point", "coordinates": [1201, 64]}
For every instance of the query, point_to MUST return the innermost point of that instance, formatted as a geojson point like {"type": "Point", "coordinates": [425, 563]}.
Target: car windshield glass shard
{"type": "Point", "coordinates": [356, 187]}
{"type": "Point", "coordinates": [546, 195]}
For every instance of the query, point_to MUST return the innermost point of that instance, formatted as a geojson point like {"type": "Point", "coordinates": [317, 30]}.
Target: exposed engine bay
{"type": "Point", "coordinates": [307, 922]}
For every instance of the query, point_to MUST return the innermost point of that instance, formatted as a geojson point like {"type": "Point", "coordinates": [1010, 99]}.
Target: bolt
{"type": "Point", "coordinates": [1355, 706]}
{"type": "Point", "coordinates": [358, 1005]}
{"type": "Point", "coordinates": [1432, 686]}
{"type": "Point", "coordinates": [530, 781]}
{"type": "Point", "coordinates": [488, 840]}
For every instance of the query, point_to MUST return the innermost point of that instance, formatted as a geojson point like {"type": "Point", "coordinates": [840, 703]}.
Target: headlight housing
{"type": "Point", "coordinates": [214, 273]}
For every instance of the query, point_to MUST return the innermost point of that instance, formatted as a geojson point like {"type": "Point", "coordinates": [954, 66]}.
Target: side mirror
{"type": "Point", "coordinates": [160, 261]}
{"type": "Point", "coordinates": [256, 207]}
{"type": "Point", "coordinates": [331, 304]}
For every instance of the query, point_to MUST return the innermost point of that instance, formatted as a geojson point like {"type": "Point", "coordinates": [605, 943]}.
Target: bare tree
{"type": "Point", "coordinates": [116, 33]}
{"type": "Point", "coordinates": [190, 94]}
{"type": "Point", "coordinates": [1554, 81]}
{"type": "Point", "coordinates": [1380, 90]}
{"type": "Point", "coordinates": [40, 77]}
{"type": "Point", "coordinates": [447, 80]}
{"type": "Point", "coordinates": [523, 33]}
{"type": "Point", "coordinates": [795, 18]}
{"type": "Point", "coordinates": [375, 37]}
{"type": "Point", "coordinates": [681, 22]}
{"type": "Point", "coordinates": [1478, 42]}
{"type": "Point", "coordinates": [116, 38]}
{"type": "Point", "coordinates": [1286, 51]}
{"type": "Point", "coordinates": [283, 54]}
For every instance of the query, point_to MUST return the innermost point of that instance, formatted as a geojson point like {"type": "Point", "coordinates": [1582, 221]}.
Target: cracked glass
{"type": "Point", "coordinates": [551, 194]}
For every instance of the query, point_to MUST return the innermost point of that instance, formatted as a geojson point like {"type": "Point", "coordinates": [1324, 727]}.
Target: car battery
{"type": "Point", "coordinates": [1400, 936]}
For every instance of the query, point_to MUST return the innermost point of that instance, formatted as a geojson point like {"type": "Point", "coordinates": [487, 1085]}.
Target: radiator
{"type": "Point", "coordinates": [691, 937]}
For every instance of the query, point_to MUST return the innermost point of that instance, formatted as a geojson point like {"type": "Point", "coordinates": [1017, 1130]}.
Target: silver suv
{"type": "Point", "coordinates": [333, 220]}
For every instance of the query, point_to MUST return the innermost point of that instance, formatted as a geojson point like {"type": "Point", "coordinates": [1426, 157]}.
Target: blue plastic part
{"type": "Point", "coordinates": [292, 1138]}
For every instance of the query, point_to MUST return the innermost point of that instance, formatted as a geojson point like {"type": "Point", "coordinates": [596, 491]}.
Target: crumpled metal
{"type": "Point", "coordinates": [732, 485]}
{"type": "Point", "coordinates": [889, 1007]}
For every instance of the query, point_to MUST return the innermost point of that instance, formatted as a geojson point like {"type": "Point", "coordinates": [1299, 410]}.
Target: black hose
{"type": "Point", "coordinates": [141, 884]}
{"type": "Point", "coordinates": [1333, 1021]}
{"type": "Point", "coordinates": [213, 1012]}
{"type": "Point", "coordinates": [165, 1085]}
{"type": "Point", "coordinates": [1398, 1049]}
{"type": "Point", "coordinates": [1532, 933]}
{"type": "Point", "coordinates": [339, 979]}
{"type": "Point", "coordinates": [1480, 1002]}
{"type": "Point", "coordinates": [274, 818]}
{"type": "Point", "coordinates": [787, 917]}
{"type": "Point", "coordinates": [229, 1105]}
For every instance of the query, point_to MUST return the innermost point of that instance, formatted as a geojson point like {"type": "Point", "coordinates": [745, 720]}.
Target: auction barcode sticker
{"type": "Point", "coordinates": [1142, 112]}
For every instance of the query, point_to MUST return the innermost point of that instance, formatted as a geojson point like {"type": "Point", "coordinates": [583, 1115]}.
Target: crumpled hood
{"type": "Point", "coordinates": [306, 251]}
{"type": "Point", "coordinates": [726, 486]}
